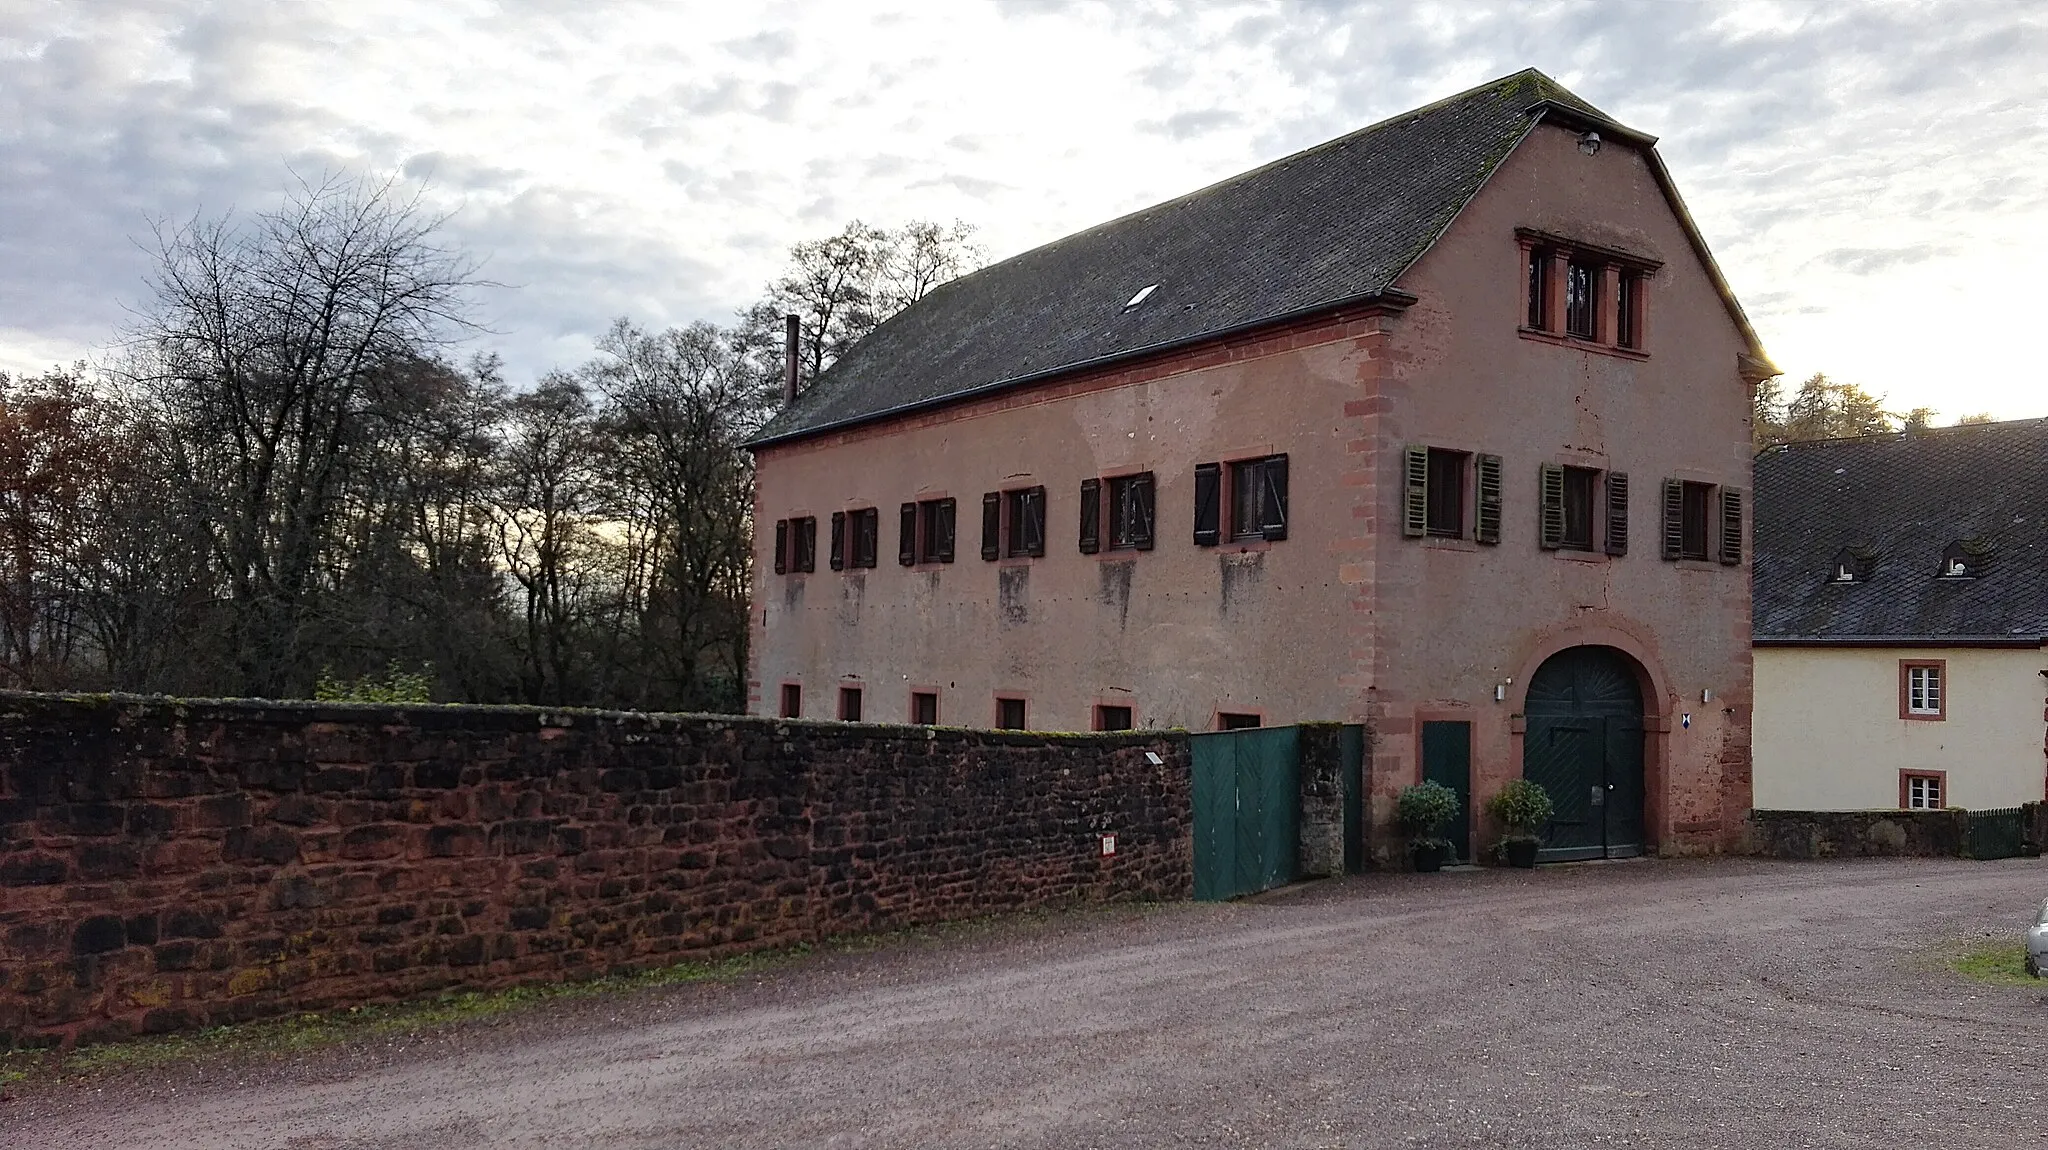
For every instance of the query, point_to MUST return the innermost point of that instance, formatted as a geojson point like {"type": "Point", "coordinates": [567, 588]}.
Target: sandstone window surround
{"type": "Point", "coordinates": [854, 538]}
{"type": "Point", "coordinates": [1241, 501]}
{"type": "Point", "coordinates": [1013, 523]}
{"type": "Point", "coordinates": [1130, 504]}
{"type": "Point", "coordinates": [1436, 482]}
{"type": "Point", "coordinates": [1923, 689]}
{"type": "Point", "coordinates": [1923, 790]}
{"type": "Point", "coordinates": [1582, 509]}
{"type": "Point", "coordinates": [1584, 295]}
{"type": "Point", "coordinates": [925, 531]}
{"type": "Point", "coordinates": [1702, 522]}
{"type": "Point", "coordinates": [796, 545]}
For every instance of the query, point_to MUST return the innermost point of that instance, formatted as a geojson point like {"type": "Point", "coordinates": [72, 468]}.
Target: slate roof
{"type": "Point", "coordinates": [1337, 222]}
{"type": "Point", "coordinates": [1904, 499]}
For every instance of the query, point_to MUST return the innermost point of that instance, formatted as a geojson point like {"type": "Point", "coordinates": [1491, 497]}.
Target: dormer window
{"type": "Point", "coordinates": [1964, 559]}
{"type": "Point", "coordinates": [1852, 565]}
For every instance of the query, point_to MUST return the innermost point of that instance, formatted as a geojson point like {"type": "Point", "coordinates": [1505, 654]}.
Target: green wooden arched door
{"type": "Point", "coordinates": [1583, 741]}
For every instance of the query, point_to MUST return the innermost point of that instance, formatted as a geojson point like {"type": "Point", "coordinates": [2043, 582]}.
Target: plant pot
{"type": "Point", "coordinates": [1520, 852]}
{"type": "Point", "coordinates": [1431, 856]}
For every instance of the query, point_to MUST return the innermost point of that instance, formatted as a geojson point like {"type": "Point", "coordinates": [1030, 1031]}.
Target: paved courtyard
{"type": "Point", "coordinates": [1697, 1004]}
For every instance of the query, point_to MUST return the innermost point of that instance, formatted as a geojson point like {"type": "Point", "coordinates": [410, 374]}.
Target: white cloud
{"type": "Point", "coordinates": [1870, 175]}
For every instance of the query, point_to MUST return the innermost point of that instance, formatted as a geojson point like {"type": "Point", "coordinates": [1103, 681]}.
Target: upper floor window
{"type": "Point", "coordinates": [1436, 493]}
{"type": "Point", "coordinates": [1013, 523]}
{"type": "Point", "coordinates": [854, 542]}
{"type": "Point", "coordinates": [1539, 289]}
{"type": "Point", "coordinates": [1131, 513]}
{"type": "Point", "coordinates": [1584, 291]}
{"type": "Point", "coordinates": [796, 545]}
{"type": "Point", "coordinates": [925, 532]}
{"type": "Point", "coordinates": [1923, 692]}
{"type": "Point", "coordinates": [1579, 502]}
{"type": "Point", "coordinates": [1628, 306]}
{"type": "Point", "coordinates": [1580, 316]}
{"type": "Point", "coordinates": [1256, 500]}
{"type": "Point", "coordinates": [1702, 521]}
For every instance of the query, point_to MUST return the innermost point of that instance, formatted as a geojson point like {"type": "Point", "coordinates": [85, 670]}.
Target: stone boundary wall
{"type": "Point", "coordinates": [1857, 834]}
{"type": "Point", "coordinates": [170, 864]}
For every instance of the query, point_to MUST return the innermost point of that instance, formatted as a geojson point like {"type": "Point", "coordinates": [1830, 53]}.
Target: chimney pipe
{"type": "Point", "coordinates": [789, 342]}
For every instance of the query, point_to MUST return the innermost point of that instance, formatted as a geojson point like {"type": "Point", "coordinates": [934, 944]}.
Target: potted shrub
{"type": "Point", "coordinates": [1422, 810]}
{"type": "Point", "coordinates": [1522, 807]}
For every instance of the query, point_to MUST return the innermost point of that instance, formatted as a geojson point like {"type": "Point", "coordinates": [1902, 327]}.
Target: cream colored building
{"type": "Point", "coordinates": [1901, 628]}
{"type": "Point", "coordinates": [1832, 731]}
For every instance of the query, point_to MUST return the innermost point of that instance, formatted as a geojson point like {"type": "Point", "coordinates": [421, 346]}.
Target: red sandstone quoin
{"type": "Point", "coordinates": [1442, 427]}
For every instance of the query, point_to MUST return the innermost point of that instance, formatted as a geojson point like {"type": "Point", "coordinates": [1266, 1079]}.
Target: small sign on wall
{"type": "Point", "coordinates": [1109, 846]}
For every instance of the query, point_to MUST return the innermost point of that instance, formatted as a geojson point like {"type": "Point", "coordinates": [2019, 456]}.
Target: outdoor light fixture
{"type": "Point", "coordinates": [1590, 143]}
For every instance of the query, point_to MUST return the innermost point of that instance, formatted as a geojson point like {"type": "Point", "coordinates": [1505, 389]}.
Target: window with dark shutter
{"type": "Point", "coordinates": [836, 559]}
{"type": "Point", "coordinates": [1550, 506]}
{"type": "Point", "coordinates": [1688, 525]}
{"type": "Point", "coordinates": [806, 533]}
{"type": "Point", "coordinates": [1445, 497]}
{"type": "Point", "coordinates": [865, 525]}
{"type": "Point", "coordinates": [1091, 516]}
{"type": "Point", "coordinates": [1415, 491]}
{"type": "Point", "coordinates": [1208, 504]}
{"type": "Point", "coordinates": [1578, 508]}
{"type": "Point", "coordinates": [940, 516]}
{"type": "Point", "coordinates": [1486, 511]}
{"type": "Point", "coordinates": [1027, 522]}
{"type": "Point", "coordinates": [1731, 527]}
{"type": "Point", "coordinates": [782, 546]}
{"type": "Point", "coordinates": [1273, 509]}
{"type": "Point", "coordinates": [992, 525]}
{"type": "Point", "coordinates": [1616, 533]}
{"type": "Point", "coordinates": [1674, 518]}
{"type": "Point", "coordinates": [906, 541]}
{"type": "Point", "coordinates": [1130, 512]}
{"type": "Point", "coordinates": [1247, 486]}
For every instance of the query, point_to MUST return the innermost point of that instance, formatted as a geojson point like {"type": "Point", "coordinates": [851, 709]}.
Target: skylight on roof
{"type": "Point", "coordinates": [1140, 297]}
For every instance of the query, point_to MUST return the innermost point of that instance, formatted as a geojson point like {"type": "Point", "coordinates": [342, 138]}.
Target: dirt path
{"type": "Point", "coordinates": [1704, 1004]}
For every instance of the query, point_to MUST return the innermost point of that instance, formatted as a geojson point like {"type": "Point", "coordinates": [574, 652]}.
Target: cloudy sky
{"type": "Point", "coordinates": [1872, 176]}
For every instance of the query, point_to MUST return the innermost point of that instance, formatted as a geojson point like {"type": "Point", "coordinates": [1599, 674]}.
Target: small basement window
{"type": "Point", "coordinates": [849, 704]}
{"type": "Point", "coordinates": [1010, 714]}
{"type": "Point", "coordinates": [1237, 721]}
{"type": "Point", "coordinates": [924, 708]}
{"type": "Point", "coordinates": [792, 700]}
{"type": "Point", "coordinates": [1923, 790]}
{"type": "Point", "coordinates": [1110, 718]}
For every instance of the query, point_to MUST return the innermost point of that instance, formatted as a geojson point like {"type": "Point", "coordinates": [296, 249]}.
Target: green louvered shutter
{"type": "Point", "coordinates": [1487, 508]}
{"type": "Point", "coordinates": [1550, 492]}
{"type": "Point", "coordinates": [1674, 518]}
{"type": "Point", "coordinates": [1731, 526]}
{"type": "Point", "coordinates": [1415, 491]}
{"type": "Point", "coordinates": [1616, 539]}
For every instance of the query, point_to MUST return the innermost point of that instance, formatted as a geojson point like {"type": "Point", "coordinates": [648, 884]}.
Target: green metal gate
{"type": "Point", "coordinates": [1997, 834]}
{"type": "Point", "coordinates": [1247, 810]}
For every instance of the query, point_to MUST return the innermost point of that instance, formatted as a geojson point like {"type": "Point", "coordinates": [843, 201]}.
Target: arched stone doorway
{"type": "Point", "coordinates": [1583, 741]}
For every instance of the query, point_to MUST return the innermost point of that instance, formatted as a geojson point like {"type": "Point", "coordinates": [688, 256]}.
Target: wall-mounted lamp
{"type": "Point", "coordinates": [1590, 143]}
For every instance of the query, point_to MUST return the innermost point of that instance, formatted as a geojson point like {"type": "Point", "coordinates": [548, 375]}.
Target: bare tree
{"type": "Point", "coordinates": [545, 505]}
{"type": "Point", "coordinates": [271, 347]}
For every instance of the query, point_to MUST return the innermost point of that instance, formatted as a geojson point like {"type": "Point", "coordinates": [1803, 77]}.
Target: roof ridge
{"type": "Point", "coordinates": [1410, 114]}
{"type": "Point", "coordinates": [1902, 433]}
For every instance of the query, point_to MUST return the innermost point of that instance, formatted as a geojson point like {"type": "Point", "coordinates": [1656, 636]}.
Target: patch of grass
{"type": "Point", "coordinates": [1997, 963]}
{"type": "Point", "coordinates": [301, 1032]}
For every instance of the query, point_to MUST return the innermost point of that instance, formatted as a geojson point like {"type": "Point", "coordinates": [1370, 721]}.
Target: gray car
{"type": "Point", "coordinates": [2037, 945]}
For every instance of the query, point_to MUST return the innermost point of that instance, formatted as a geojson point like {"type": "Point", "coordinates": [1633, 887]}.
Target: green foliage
{"type": "Point", "coordinates": [1423, 809]}
{"type": "Point", "coordinates": [396, 686]}
{"type": "Point", "coordinates": [1522, 807]}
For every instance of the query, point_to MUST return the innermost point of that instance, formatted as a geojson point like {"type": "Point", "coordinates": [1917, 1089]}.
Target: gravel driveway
{"type": "Point", "coordinates": [1707, 1004]}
